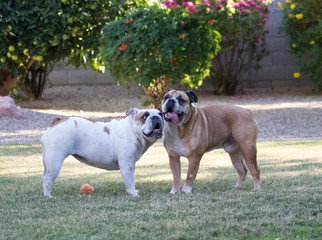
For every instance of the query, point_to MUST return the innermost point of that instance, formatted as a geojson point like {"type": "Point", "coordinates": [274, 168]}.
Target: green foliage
{"type": "Point", "coordinates": [241, 24]}
{"type": "Point", "coordinates": [302, 22]}
{"type": "Point", "coordinates": [154, 43]}
{"type": "Point", "coordinates": [47, 31]}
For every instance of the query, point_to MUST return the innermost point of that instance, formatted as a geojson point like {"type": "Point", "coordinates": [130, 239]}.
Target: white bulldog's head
{"type": "Point", "coordinates": [176, 105]}
{"type": "Point", "coordinates": [148, 122]}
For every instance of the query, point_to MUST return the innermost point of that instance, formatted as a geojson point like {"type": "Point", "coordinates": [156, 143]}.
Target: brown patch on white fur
{"type": "Point", "coordinates": [107, 130]}
{"type": "Point", "coordinates": [138, 118]}
{"type": "Point", "coordinates": [56, 121]}
{"type": "Point", "coordinates": [76, 124]}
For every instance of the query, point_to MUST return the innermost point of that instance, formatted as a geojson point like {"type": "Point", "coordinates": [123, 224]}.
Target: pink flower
{"type": "Point", "coordinates": [224, 38]}
{"type": "Point", "coordinates": [170, 4]}
{"type": "Point", "coordinates": [191, 7]}
{"type": "Point", "coordinates": [207, 4]}
{"type": "Point", "coordinates": [236, 5]}
{"type": "Point", "coordinates": [220, 6]}
{"type": "Point", "coordinates": [260, 8]}
{"type": "Point", "coordinates": [265, 20]}
{"type": "Point", "coordinates": [244, 3]}
{"type": "Point", "coordinates": [252, 2]}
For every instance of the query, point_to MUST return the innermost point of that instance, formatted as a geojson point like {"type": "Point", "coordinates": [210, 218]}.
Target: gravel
{"type": "Point", "coordinates": [282, 115]}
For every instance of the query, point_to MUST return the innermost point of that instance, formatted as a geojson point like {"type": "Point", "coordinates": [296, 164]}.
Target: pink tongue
{"type": "Point", "coordinates": [174, 117]}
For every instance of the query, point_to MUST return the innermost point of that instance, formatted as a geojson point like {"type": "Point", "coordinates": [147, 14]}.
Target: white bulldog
{"type": "Point", "coordinates": [115, 145]}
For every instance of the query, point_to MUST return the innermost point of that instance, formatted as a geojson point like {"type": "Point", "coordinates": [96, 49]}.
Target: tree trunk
{"type": "Point", "coordinates": [224, 84]}
{"type": "Point", "coordinates": [156, 91]}
{"type": "Point", "coordinates": [6, 82]}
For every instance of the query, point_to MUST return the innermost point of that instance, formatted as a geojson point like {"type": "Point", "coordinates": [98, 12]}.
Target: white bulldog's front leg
{"type": "Point", "coordinates": [127, 169]}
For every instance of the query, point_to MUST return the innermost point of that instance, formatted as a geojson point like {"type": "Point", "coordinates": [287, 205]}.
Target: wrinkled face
{"type": "Point", "coordinates": [176, 104]}
{"type": "Point", "coordinates": [148, 122]}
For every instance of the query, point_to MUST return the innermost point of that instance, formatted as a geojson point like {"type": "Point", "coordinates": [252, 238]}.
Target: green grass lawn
{"type": "Point", "coordinates": [289, 206]}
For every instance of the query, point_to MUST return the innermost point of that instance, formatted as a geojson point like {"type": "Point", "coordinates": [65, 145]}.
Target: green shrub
{"type": "Point", "coordinates": [241, 24]}
{"type": "Point", "coordinates": [156, 47]}
{"type": "Point", "coordinates": [302, 22]}
{"type": "Point", "coordinates": [47, 31]}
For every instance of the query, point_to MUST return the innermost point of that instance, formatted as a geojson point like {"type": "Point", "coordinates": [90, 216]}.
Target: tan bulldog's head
{"type": "Point", "coordinates": [147, 122]}
{"type": "Point", "coordinates": [176, 105]}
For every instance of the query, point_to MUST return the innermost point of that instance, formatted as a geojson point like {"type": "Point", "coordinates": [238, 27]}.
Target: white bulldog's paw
{"type": "Point", "coordinates": [134, 193]}
{"type": "Point", "coordinates": [50, 196]}
{"type": "Point", "coordinates": [187, 189]}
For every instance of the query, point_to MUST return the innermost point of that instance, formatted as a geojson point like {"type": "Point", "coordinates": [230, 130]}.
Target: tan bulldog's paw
{"type": "Point", "coordinates": [187, 189]}
{"type": "Point", "coordinates": [174, 191]}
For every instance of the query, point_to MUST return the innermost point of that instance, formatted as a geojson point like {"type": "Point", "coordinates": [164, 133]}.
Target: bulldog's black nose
{"type": "Point", "coordinates": [170, 105]}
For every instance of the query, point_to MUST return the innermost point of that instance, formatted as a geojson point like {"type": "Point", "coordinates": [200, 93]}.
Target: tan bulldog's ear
{"type": "Point", "coordinates": [192, 96]}
{"type": "Point", "coordinates": [132, 112]}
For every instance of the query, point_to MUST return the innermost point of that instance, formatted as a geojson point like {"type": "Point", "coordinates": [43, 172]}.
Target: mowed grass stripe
{"type": "Point", "coordinates": [288, 207]}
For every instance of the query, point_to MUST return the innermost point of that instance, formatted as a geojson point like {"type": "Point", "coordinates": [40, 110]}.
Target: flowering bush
{"type": "Point", "coordinates": [302, 22]}
{"type": "Point", "coordinates": [35, 33]}
{"type": "Point", "coordinates": [241, 24]}
{"type": "Point", "coordinates": [155, 47]}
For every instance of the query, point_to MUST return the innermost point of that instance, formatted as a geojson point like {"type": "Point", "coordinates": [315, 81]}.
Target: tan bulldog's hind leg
{"type": "Point", "coordinates": [238, 163]}
{"type": "Point", "coordinates": [249, 152]}
{"type": "Point", "coordinates": [194, 162]}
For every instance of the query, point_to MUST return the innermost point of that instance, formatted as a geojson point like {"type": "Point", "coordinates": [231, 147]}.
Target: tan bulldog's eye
{"type": "Point", "coordinates": [181, 100]}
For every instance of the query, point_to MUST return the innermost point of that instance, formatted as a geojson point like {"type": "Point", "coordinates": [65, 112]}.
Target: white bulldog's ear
{"type": "Point", "coordinates": [132, 112]}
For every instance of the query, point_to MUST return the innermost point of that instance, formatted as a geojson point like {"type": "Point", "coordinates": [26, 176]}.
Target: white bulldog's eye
{"type": "Point", "coordinates": [145, 116]}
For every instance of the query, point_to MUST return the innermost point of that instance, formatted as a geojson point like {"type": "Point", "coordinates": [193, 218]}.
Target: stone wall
{"type": "Point", "coordinates": [277, 68]}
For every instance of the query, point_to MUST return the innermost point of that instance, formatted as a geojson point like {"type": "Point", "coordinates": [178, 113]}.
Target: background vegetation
{"type": "Point", "coordinates": [155, 48]}
{"type": "Point", "coordinates": [288, 207]}
{"type": "Point", "coordinates": [302, 22]}
{"type": "Point", "coordinates": [34, 34]}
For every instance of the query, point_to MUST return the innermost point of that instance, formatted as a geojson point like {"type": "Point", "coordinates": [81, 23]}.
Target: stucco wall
{"type": "Point", "coordinates": [277, 68]}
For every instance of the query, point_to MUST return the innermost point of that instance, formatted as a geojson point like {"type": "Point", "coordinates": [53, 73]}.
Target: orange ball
{"type": "Point", "coordinates": [87, 188]}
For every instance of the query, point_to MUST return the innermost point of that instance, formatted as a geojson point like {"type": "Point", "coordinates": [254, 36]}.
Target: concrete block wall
{"type": "Point", "coordinates": [277, 68]}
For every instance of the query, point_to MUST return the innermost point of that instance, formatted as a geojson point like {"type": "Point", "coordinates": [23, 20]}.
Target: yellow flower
{"type": "Point", "coordinates": [293, 6]}
{"type": "Point", "coordinates": [293, 45]}
{"type": "Point", "coordinates": [299, 16]}
{"type": "Point", "coordinates": [312, 42]}
{"type": "Point", "coordinates": [280, 4]}
{"type": "Point", "coordinates": [288, 1]}
{"type": "Point", "coordinates": [11, 48]}
{"type": "Point", "coordinates": [296, 74]}
{"type": "Point", "coordinates": [291, 15]}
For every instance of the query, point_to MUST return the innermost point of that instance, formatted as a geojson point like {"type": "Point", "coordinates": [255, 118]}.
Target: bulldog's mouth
{"type": "Point", "coordinates": [173, 117]}
{"type": "Point", "coordinates": [156, 131]}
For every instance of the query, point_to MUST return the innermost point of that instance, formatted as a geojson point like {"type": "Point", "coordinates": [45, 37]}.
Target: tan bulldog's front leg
{"type": "Point", "coordinates": [194, 163]}
{"type": "Point", "coordinates": [175, 166]}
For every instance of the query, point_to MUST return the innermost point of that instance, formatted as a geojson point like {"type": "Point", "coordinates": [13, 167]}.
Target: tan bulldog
{"type": "Point", "coordinates": [191, 131]}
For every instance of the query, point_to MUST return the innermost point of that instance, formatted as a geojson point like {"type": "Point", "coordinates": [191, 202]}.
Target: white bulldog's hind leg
{"type": "Point", "coordinates": [52, 164]}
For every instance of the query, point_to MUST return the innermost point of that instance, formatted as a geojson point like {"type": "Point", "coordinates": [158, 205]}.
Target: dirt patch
{"type": "Point", "coordinates": [284, 114]}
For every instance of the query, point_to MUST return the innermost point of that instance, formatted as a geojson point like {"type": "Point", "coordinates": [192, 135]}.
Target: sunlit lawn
{"type": "Point", "coordinates": [288, 207]}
